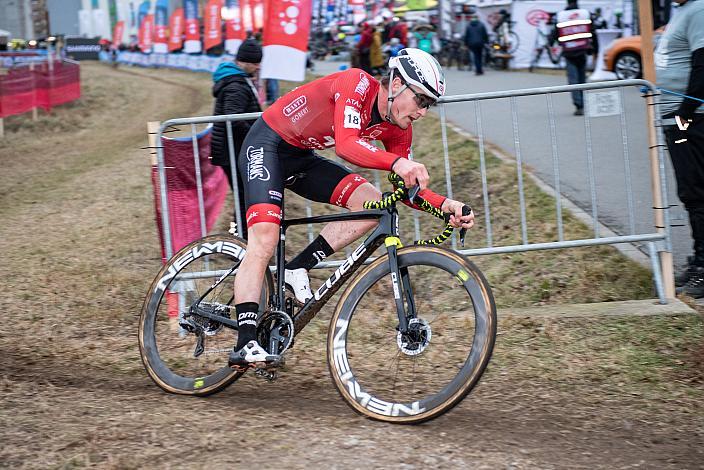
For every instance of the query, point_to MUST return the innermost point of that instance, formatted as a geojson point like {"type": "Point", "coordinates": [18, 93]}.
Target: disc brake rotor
{"type": "Point", "coordinates": [417, 339]}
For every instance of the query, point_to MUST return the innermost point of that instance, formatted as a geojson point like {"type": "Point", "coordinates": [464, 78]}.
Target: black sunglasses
{"type": "Point", "coordinates": [423, 101]}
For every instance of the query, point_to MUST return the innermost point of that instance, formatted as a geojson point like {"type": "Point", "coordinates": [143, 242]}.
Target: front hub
{"type": "Point", "coordinates": [416, 339]}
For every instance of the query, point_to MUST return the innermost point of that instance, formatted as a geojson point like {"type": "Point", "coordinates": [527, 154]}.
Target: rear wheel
{"type": "Point", "coordinates": [628, 66]}
{"type": "Point", "coordinates": [172, 355]}
{"type": "Point", "coordinates": [416, 376]}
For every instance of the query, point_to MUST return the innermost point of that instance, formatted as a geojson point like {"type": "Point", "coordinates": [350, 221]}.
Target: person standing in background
{"type": "Point", "coordinates": [575, 33]}
{"type": "Point", "coordinates": [272, 90]}
{"type": "Point", "coordinates": [364, 47]}
{"type": "Point", "coordinates": [476, 37]}
{"type": "Point", "coordinates": [679, 65]}
{"type": "Point", "coordinates": [376, 56]}
{"type": "Point", "coordinates": [235, 93]}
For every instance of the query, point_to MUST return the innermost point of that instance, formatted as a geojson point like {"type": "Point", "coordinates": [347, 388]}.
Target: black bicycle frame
{"type": "Point", "coordinates": [386, 230]}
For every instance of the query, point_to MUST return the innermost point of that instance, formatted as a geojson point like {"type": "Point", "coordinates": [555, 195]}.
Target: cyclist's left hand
{"type": "Point", "coordinates": [457, 220]}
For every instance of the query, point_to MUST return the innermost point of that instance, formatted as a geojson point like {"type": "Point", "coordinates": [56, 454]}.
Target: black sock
{"type": "Point", "coordinates": [246, 323]}
{"type": "Point", "coordinates": [312, 255]}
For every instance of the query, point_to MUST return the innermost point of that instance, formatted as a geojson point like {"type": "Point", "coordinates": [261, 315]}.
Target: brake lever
{"type": "Point", "coordinates": [466, 210]}
{"type": "Point", "coordinates": [413, 193]}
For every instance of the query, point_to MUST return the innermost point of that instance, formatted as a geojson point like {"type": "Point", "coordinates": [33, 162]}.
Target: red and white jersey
{"type": "Point", "coordinates": [336, 111]}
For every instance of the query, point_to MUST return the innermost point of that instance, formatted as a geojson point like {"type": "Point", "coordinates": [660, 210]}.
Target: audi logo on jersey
{"type": "Point", "coordinates": [294, 105]}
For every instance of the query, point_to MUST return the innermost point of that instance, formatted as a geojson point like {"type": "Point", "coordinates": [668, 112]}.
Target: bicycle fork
{"type": "Point", "coordinates": [401, 284]}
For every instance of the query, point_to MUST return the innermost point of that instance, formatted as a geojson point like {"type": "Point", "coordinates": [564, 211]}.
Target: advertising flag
{"type": "Point", "coordinates": [143, 11]}
{"type": "Point", "coordinates": [117, 33]}
{"type": "Point", "coordinates": [176, 30]}
{"type": "Point", "coordinates": [286, 39]}
{"type": "Point", "coordinates": [212, 34]}
{"type": "Point", "coordinates": [190, 14]}
{"type": "Point", "coordinates": [146, 34]}
{"type": "Point", "coordinates": [247, 20]}
{"type": "Point", "coordinates": [160, 23]}
{"type": "Point", "coordinates": [234, 29]}
{"type": "Point", "coordinates": [257, 14]}
{"type": "Point", "coordinates": [358, 10]}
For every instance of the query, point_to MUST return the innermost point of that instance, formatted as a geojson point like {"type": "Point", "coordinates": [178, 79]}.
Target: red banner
{"type": "Point", "coordinates": [24, 89]}
{"type": "Point", "coordinates": [233, 24]}
{"type": "Point", "coordinates": [288, 24]}
{"type": "Point", "coordinates": [176, 30]}
{"type": "Point", "coordinates": [182, 190]}
{"type": "Point", "coordinates": [257, 14]}
{"type": "Point", "coordinates": [117, 33]}
{"type": "Point", "coordinates": [247, 18]}
{"type": "Point", "coordinates": [213, 24]}
{"type": "Point", "coordinates": [286, 40]}
{"type": "Point", "coordinates": [192, 29]}
{"type": "Point", "coordinates": [160, 34]}
{"type": "Point", "coordinates": [146, 33]}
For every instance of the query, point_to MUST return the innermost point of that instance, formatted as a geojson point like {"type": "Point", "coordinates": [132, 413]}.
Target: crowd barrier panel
{"type": "Point", "coordinates": [27, 86]}
{"type": "Point", "coordinates": [657, 241]}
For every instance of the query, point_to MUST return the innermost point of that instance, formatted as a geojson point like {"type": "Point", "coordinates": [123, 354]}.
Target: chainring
{"type": "Point", "coordinates": [275, 332]}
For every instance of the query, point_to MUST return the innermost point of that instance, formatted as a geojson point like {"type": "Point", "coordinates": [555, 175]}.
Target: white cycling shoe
{"type": "Point", "coordinates": [297, 280]}
{"type": "Point", "coordinates": [253, 355]}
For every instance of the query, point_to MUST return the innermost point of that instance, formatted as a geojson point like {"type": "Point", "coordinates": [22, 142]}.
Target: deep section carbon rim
{"type": "Point", "coordinates": [167, 348]}
{"type": "Point", "coordinates": [410, 378]}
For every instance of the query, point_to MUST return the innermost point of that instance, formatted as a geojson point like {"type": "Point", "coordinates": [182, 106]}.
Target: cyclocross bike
{"type": "Point", "coordinates": [409, 338]}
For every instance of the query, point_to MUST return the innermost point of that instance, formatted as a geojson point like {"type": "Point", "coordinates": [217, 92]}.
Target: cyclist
{"type": "Point", "coordinates": [347, 110]}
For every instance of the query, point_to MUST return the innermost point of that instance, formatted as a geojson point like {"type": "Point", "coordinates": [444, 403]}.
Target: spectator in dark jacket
{"type": "Point", "coordinates": [476, 37]}
{"type": "Point", "coordinates": [235, 93]}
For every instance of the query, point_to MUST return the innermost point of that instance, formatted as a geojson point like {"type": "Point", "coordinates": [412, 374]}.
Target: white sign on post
{"type": "Point", "coordinates": [603, 103]}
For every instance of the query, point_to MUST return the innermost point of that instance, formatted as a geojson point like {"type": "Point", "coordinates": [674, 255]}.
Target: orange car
{"type": "Point", "coordinates": [623, 56]}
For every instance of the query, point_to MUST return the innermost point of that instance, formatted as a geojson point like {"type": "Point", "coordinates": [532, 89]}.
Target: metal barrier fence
{"type": "Point", "coordinates": [658, 240]}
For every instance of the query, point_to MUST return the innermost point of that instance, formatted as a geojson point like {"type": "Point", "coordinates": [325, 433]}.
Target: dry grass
{"type": "Point", "coordinates": [79, 245]}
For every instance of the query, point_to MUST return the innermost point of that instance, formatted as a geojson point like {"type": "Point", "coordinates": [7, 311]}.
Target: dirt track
{"type": "Point", "coordinates": [80, 250]}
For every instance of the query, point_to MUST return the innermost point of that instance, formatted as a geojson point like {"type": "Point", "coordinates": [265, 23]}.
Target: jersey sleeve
{"type": "Point", "coordinates": [352, 90]}
{"type": "Point", "coordinates": [400, 144]}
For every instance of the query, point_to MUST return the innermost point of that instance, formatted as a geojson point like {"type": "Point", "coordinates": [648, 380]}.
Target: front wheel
{"type": "Point", "coordinates": [412, 377]}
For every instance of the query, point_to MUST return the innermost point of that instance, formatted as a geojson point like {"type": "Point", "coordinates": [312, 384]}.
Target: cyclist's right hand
{"type": "Point", "coordinates": [412, 172]}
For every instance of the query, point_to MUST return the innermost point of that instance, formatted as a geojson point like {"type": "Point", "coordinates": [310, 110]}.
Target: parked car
{"type": "Point", "coordinates": [623, 57]}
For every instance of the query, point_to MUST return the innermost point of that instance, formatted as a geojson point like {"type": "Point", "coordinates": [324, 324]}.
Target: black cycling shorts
{"type": "Point", "coordinates": [267, 164]}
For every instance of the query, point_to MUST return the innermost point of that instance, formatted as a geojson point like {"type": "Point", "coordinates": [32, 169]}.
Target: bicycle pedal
{"type": "Point", "coordinates": [269, 375]}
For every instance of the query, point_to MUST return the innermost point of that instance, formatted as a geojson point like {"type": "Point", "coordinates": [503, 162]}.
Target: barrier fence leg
{"type": "Point", "coordinates": [657, 273]}
{"type": "Point", "coordinates": [34, 109]}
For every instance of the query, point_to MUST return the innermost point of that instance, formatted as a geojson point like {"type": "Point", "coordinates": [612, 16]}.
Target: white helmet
{"type": "Point", "coordinates": [420, 69]}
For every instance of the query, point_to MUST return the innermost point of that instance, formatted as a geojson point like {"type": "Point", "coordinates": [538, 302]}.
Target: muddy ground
{"type": "Point", "coordinates": [79, 250]}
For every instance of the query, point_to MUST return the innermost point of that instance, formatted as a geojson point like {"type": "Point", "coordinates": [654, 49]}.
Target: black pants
{"type": "Point", "coordinates": [478, 56]}
{"type": "Point", "coordinates": [687, 154]}
{"type": "Point", "coordinates": [576, 74]}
